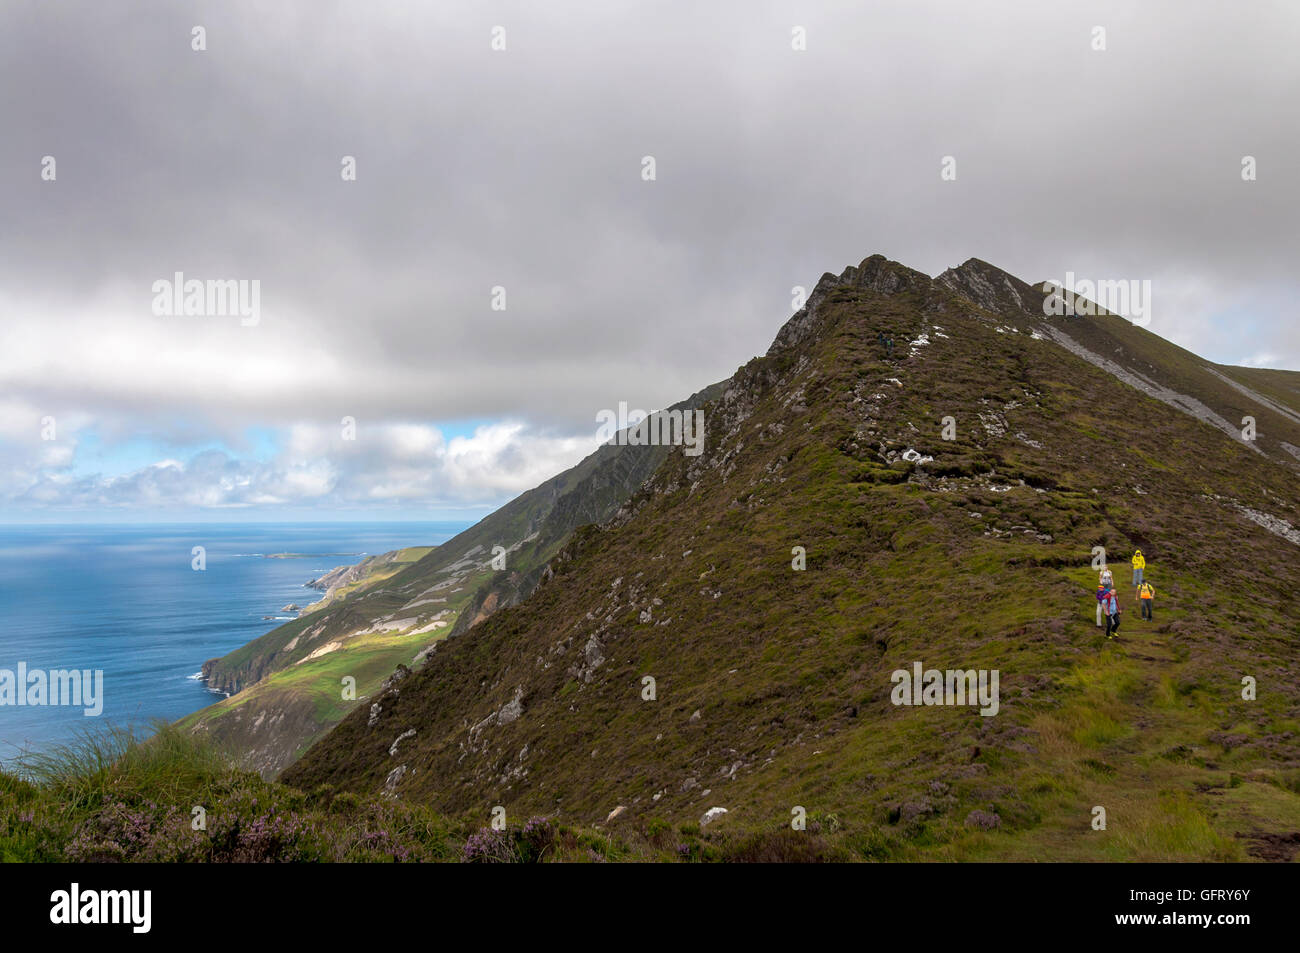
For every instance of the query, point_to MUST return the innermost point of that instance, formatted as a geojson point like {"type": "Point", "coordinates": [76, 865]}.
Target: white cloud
{"type": "Point", "coordinates": [398, 463]}
{"type": "Point", "coordinates": [1260, 360]}
{"type": "Point", "coordinates": [375, 293]}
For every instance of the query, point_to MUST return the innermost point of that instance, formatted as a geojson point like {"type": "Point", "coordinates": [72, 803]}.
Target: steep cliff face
{"type": "Point", "coordinates": [730, 636]}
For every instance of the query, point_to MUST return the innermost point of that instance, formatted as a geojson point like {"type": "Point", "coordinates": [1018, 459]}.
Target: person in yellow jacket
{"type": "Point", "coordinates": [1146, 595]}
{"type": "Point", "coordinates": [1139, 563]}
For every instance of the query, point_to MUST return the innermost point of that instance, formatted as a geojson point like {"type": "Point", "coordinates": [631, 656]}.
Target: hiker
{"type": "Point", "coordinates": [1103, 592]}
{"type": "Point", "coordinates": [1139, 563]}
{"type": "Point", "coordinates": [1110, 603]}
{"type": "Point", "coordinates": [1104, 581]}
{"type": "Point", "coordinates": [1146, 594]}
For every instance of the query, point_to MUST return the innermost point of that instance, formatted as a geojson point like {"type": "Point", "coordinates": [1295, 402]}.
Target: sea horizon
{"type": "Point", "coordinates": [127, 600]}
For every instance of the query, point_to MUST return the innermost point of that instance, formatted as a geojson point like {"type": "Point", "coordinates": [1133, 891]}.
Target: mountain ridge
{"type": "Point", "coordinates": [817, 444]}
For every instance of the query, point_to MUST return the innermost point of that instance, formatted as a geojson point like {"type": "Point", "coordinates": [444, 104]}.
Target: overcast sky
{"type": "Point", "coordinates": [522, 169]}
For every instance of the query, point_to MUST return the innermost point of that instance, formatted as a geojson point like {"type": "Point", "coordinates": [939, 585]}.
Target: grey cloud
{"type": "Point", "coordinates": [522, 169]}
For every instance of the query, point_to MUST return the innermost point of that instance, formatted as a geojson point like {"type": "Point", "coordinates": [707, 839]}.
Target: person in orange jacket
{"type": "Point", "coordinates": [1146, 596]}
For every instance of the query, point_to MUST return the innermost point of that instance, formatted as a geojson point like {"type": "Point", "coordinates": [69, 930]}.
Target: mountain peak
{"type": "Point", "coordinates": [875, 273]}
{"type": "Point", "coordinates": [990, 287]}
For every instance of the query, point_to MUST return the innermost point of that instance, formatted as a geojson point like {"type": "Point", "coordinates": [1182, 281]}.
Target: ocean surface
{"type": "Point", "coordinates": [125, 600]}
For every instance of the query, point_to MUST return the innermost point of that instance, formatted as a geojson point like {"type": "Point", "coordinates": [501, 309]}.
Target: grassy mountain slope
{"type": "Point", "coordinates": [773, 685]}
{"type": "Point", "coordinates": [286, 687]}
{"type": "Point", "coordinates": [344, 580]}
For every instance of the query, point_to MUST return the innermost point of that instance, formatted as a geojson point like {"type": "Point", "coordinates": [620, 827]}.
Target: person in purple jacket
{"type": "Point", "coordinates": [1102, 582]}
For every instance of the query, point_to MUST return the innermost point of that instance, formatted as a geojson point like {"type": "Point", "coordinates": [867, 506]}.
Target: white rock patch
{"type": "Point", "coordinates": [712, 814]}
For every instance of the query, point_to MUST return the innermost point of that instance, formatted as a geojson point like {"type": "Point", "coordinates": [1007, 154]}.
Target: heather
{"type": "Point", "coordinates": [118, 795]}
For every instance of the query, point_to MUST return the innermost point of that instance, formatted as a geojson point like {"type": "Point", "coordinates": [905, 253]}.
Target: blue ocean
{"type": "Point", "coordinates": [126, 600]}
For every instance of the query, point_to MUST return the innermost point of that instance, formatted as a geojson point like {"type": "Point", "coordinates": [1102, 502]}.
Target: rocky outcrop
{"type": "Point", "coordinates": [218, 679]}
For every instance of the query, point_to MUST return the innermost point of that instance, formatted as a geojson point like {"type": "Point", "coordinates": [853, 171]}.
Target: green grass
{"type": "Point", "coordinates": [115, 762]}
